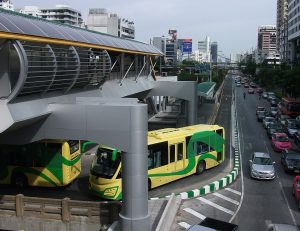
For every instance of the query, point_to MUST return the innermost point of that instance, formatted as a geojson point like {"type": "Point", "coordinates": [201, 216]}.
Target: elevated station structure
{"type": "Point", "coordinates": [63, 82]}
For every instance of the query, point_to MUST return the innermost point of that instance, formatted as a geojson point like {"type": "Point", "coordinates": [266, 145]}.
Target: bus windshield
{"type": "Point", "coordinates": [106, 163]}
{"type": "Point", "coordinates": [74, 146]}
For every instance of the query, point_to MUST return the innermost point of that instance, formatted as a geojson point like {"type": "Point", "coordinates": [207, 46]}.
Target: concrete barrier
{"type": "Point", "coordinates": [169, 213]}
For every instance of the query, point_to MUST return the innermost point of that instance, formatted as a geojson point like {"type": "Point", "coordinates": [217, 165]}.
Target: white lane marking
{"type": "Point", "coordinates": [241, 173]}
{"type": "Point", "coordinates": [184, 225]}
{"type": "Point", "coordinates": [284, 196]}
{"type": "Point", "coordinates": [287, 203]}
{"type": "Point", "coordinates": [215, 205]}
{"type": "Point", "coordinates": [195, 213]}
{"type": "Point", "coordinates": [226, 198]}
{"type": "Point", "coordinates": [233, 191]}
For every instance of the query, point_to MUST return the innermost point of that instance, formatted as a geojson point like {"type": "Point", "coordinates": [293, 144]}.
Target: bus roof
{"type": "Point", "coordinates": [165, 134]}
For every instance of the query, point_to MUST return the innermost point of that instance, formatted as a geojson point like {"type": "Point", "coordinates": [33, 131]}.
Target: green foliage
{"type": "Point", "coordinates": [282, 80]}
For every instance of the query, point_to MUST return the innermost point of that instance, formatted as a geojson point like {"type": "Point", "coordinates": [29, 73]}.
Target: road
{"type": "Point", "coordinates": [264, 201]}
{"type": "Point", "coordinates": [252, 204]}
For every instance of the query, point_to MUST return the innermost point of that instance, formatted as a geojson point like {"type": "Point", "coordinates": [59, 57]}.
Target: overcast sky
{"type": "Point", "coordinates": [232, 23]}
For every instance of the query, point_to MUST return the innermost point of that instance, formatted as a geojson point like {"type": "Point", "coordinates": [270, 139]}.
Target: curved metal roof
{"type": "Point", "coordinates": [20, 26]}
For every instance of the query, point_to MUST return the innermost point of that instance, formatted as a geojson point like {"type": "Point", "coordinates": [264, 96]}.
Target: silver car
{"type": "Point", "coordinates": [261, 166]}
{"type": "Point", "coordinates": [267, 120]}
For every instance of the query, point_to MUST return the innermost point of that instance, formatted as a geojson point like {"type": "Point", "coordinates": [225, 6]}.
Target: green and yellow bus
{"type": "Point", "coordinates": [173, 153]}
{"type": "Point", "coordinates": [48, 163]}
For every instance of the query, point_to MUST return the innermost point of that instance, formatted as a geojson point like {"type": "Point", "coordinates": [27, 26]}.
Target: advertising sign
{"type": "Point", "coordinates": [187, 46]}
{"type": "Point", "coordinates": [173, 35]}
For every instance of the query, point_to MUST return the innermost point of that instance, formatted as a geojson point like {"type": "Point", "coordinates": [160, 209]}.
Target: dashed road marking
{"type": "Point", "coordinates": [226, 198]}
{"type": "Point", "coordinates": [215, 205]}
{"type": "Point", "coordinates": [233, 191]}
{"type": "Point", "coordinates": [184, 225]}
{"type": "Point", "coordinates": [195, 213]}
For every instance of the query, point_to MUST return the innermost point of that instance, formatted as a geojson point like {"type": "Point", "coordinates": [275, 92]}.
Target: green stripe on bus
{"type": "Point", "coordinates": [83, 147]}
{"type": "Point", "coordinates": [23, 170]}
{"type": "Point", "coordinates": [71, 162]}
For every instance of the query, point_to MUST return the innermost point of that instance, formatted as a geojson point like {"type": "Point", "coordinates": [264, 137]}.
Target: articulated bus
{"type": "Point", "coordinates": [48, 163]}
{"type": "Point", "coordinates": [173, 153]}
{"type": "Point", "coordinates": [290, 106]}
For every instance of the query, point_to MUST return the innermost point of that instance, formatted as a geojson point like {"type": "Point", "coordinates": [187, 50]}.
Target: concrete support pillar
{"type": "Point", "coordinates": [134, 215]}
{"type": "Point", "coordinates": [192, 106]}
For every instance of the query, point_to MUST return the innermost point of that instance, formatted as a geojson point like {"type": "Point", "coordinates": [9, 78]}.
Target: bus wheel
{"type": "Point", "coordinates": [19, 180]}
{"type": "Point", "coordinates": [149, 184]}
{"type": "Point", "coordinates": [200, 167]}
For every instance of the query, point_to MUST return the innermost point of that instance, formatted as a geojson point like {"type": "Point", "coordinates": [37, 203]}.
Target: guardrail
{"type": "Point", "coordinates": [65, 209]}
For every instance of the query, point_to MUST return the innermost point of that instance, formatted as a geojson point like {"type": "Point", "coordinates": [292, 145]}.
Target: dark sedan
{"type": "Point", "coordinates": [274, 128]}
{"type": "Point", "coordinates": [260, 116]}
{"type": "Point", "coordinates": [290, 160]}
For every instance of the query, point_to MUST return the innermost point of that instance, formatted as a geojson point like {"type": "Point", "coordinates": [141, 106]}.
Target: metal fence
{"type": "Point", "coordinates": [60, 209]}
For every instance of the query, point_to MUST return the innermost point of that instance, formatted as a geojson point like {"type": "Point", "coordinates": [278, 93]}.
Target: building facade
{"type": "Point", "coordinates": [102, 21]}
{"type": "Point", "coordinates": [282, 35]}
{"type": "Point", "coordinates": [267, 42]}
{"type": "Point", "coordinates": [204, 48]}
{"type": "Point", "coordinates": [168, 46]}
{"type": "Point", "coordinates": [214, 52]}
{"type": "Point", "coordinates": [6, 4]}
{"type": "Point", "coordinates": [293, 29]}
{"type": "Point", "coordinates": [63, 14]}
{"type": "Point", "coordinates": [32, 11]}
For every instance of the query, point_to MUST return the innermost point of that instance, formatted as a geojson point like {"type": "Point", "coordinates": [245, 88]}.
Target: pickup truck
{"type": "Point", "coordinates": [296, 189]}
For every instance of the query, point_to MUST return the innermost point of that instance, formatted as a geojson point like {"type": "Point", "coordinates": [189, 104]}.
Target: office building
{"type": "Point", "coordinates": [266, 42]}
{"type": "Point", "coordinates": [6, 4]}
{"type": "Point", "coordinates": [214, 52]}
{"type": "Point", "coordinates": [294, 30]}
{"type": "Point", "coordinates": [204, 48]}
{"type": "Point", "coordinates": [168, 46]}
{"type": "Point", "coordinates": [63, 14]}
{"type": "Point", "coordinates": [282, 28]}
{"type": "Point", "coordinates": [102, 21]}
{"type": "Point", "coordinates": [32, 11]}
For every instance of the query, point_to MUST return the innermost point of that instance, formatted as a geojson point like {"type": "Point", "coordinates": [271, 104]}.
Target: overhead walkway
{"type": "Point", "coordinates": [63, 82]}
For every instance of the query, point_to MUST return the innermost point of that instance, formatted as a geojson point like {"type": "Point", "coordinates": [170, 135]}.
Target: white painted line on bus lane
{"type": "Point", "coordinates": [226, 198]}
{"type": "Point", "coordinates": [195, 213]}
{"type": "Point", "coordinates": [233, 191]}
{"type": "Point", "coordinates": [241, 166]}
{"type": "Point", "coordinates": [215, 205]}
{"type": "Point", "coordinates": [184, 225]}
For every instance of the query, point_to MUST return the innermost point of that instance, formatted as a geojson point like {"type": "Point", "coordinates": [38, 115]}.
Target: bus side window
{"type": "Point", "coordinates": [172, 153]}
{"type": "Point", "coordinates": [180, 151]}
{"type": "Point", "coordinates": [150, 160]}
{"type": "Point", "coordinates": [159, 154]}
{"type": "Point", "coordinates": [201, 148]}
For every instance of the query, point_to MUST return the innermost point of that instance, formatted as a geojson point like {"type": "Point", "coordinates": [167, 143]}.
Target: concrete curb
{"type": "Point", "coordinates": [169, 213]}
{"type": "Point", "coordinates": [223, 182]}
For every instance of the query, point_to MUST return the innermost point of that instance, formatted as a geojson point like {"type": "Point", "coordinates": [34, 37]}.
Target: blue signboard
{"type": "Point", "coordinates": [187, 46]}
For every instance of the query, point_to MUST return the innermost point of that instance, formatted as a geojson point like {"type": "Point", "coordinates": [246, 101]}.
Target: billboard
{"type": "Point", "coordinates": [173, 35]}
{"type": "Point", "coordinates": [187, 46]}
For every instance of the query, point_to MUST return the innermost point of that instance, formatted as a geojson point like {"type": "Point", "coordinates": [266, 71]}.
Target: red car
{"type": "Point", "coordinates": [280, 142]}
{"type": "Point", "coordinates": [296, 189]}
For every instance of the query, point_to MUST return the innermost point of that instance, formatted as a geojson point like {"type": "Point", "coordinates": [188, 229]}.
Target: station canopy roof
{"type": "Point", "coordinates": [24, 27]}
{"type": "Point", "coordinates": [206, 88]}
